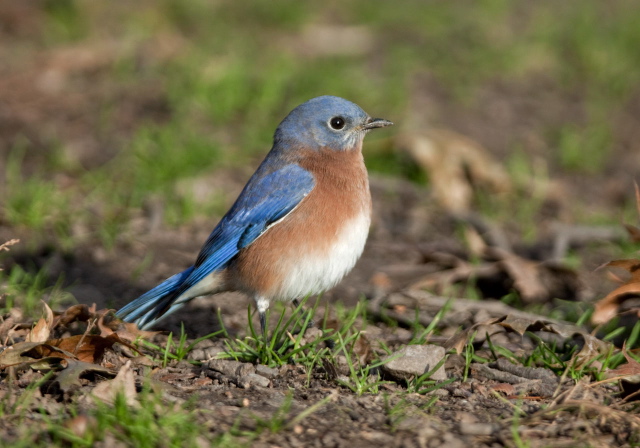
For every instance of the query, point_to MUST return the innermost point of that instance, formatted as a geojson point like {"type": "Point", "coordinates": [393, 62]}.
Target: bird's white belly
{"type": "Point", "coordinates": [315, 272]}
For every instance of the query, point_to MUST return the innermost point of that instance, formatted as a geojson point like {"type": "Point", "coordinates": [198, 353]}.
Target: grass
{"type": "Point", "coordinates": [362, 378]}
{"type": "Point", "coordinates": [421, 334]}
{"type": "Point", "coordinates": [23, 289]}
{"type": "Point", "coordinates": [284, 346]}
{"type": "Point", "coordinates": [222, 92]}
{"type": "Point", "coordinates": [224, 96]}
{"type": "Point", "coordinates": [175, 349]}
{"type": "Point", "coordinates": [154, 423]}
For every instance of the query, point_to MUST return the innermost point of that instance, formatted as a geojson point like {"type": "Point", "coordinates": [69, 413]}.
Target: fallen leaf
{"type": "Point", "coordinates": [41, 331]}
{"type": "Point", "coordinates": [634, 232]}
{"type": "Point", "coordinates": [502, 272]}
{"type": "Point", "coordinates": [451, 160]}
{"type": "Point", "coordinates": [108, 324]}
{"type": "Point", "coordinates": [362, 348]}
{"type": "Point", "coordinates": [628, 374]}
{"type": "Point", "coordinates": [590, 346]}
{"type": "Point", "coordinates": [69, 378]}
{"type": "Point", "coordinates": [74, 313]}
{"type": "Point", "coordinates": [526, 277]}
{"type": "Point", "coordinates": [130, 332]}
{"type": "Point", "coordinates": [505, 388]}
{"type": "Point", "coordinates": [630, 370]}
{"type": "Point", "coordinates": [7, 324]}
{"type": "Point", "coordinates": [607, 308]}
{"type": "Point", "coordinates": [123, 383]}
{"type": "Point", "coordinates": [30, 353]}
{"type": "Point", "coordinates": [87, 347]}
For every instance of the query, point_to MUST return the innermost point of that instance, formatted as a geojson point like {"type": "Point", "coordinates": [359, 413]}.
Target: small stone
{"type": "Point", "coordinates": [442, 393]}
{"type": "Point", "coordinates": [476, 429]}
{"type": "Point", "coordinates": [415, 360]}
{"type": "Point", "coordinates": [204, 354]}
{"type": "Point", "coordinates": [341, 364]}
{"type": "Point", "coordinates": [464, 418]}
{"type": "Point", "coordinates": [252, 379]}
{"type": "Point", "coordinates": [343, 379]}
{"type": "Point", "coordinates": [267, 372]}
{"type": "Point", "coordinates": [231, 369]}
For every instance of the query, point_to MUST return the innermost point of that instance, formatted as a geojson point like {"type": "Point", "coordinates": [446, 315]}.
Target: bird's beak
{"type": "Point", "coordinates": [373, 123]}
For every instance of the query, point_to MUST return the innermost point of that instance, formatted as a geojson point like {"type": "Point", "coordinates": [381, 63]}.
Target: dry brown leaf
{"type": "Point", "coordinates": [74, 313]}
{"type": "Point", "coordinates": [451, 159]}
{"type": "Point", "coordinates": [30, 353]}
{"type": "Point", "coordinates": [521, 325]}
{"type": "Point", "coordinates": [505, 388]}
{"type": "Point", "coordinates": [88, 348]}
{"type": "Point", "coordinates": [628, 374]}
{"type": "Point", "coordinates": [108, 324]}
{"type": "Point", "coordinates": [123, 383]}
{"type": "Point", "coordinates": [631, 265]}
{"type": "Point", "coordinates": [535, 282]}
{"type": "Point", "coordinates": [526, 277]}
{"type": "Point", "coordinates": [42, 330]}
{"type": "Point", "coordinates": [634, 232]}
{"type": "Point", "coordinates": [7, 324]}
{"type": "Point", "coordinates": [607, 308]}
{"type": "Point", "coordinates": [629, 371]}
{"type": "Point", "coordinates": [476, 244]}
{"type": "Point", "coordinates": [590, 347]}
{"type": "Point", "coordinates": [69, 378]}
{"type": "Point", "coordinates": [130, 332]}
{"type": "Point", "coordinates": [459, 341]}
{"type": "Point", "coordinates": [362, 348]}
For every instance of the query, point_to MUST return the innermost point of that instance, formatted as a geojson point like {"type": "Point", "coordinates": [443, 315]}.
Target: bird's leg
{"type": "Point", "coordinates": [263, 305]}
{"type": "Point", "coordinates": [263, 323]}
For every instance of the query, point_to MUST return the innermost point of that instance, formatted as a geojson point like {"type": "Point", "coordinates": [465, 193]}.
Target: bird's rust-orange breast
{"type": "Point", "coordinates": [318, 242]}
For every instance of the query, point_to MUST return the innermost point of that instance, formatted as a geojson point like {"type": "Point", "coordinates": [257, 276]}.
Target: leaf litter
{"type": "Point", "coordinates": [84, 354]}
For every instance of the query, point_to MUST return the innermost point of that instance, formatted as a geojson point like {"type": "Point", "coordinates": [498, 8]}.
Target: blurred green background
{"type": "Point", "coordinates": [106, 107]}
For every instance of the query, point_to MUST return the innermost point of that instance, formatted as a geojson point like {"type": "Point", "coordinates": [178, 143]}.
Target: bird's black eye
{"type": "Point", "coordinates": [337, 123]}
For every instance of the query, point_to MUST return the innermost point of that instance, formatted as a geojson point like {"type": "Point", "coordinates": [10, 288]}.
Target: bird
{"type": "Point", "coordinates": [298, 226]}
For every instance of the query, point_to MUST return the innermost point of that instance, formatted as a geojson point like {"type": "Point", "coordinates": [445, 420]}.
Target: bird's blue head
{"type": "Point", "coordinates": [326, 122]}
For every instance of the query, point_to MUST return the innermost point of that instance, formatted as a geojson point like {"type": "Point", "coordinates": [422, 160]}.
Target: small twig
{"type": "Point", "coordinates": [86, 332]}
{"type": "Point", "coordinates": [568, 236]}
{"type": "Point", "coordinates": [5, 246]}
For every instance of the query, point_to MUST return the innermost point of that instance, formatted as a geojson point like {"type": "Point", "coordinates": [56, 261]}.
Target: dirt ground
{"type": "Point", "coordinates": [416, 245]}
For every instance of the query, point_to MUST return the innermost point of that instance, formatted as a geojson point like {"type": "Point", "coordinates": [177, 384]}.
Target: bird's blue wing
{"type": "Point", "coordinates": [263, 201]}
{"type": "Point", "coordinates": [268, 196]}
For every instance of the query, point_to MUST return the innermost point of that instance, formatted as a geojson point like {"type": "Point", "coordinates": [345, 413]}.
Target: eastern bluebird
{"type": "Point", "coordinates": [297, 228]}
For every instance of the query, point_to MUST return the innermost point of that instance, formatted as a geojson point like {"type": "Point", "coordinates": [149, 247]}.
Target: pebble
{"type": "Point", "coordinates": [476, 429]}
{"type": "Point", "coordinates": [252, 379]}
{"type": "Point", "coordinates": [415, 360]}
{"type": "Point", "coordinates": [266, 372]}
{"type": "Point", "coordinates": [231, 369]}
{"type": "Point", "coordinates": [204, 354]}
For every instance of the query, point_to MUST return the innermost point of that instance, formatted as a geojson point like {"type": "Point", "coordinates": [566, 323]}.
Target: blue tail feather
{"type": "Point", "coordinates": [155, 304]}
